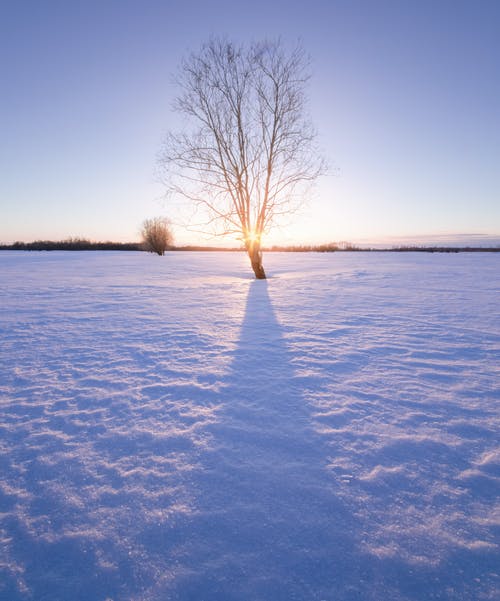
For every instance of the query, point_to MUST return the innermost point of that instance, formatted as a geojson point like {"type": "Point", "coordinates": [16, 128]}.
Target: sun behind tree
{"type": "Point", "coordinates": [250, 150]}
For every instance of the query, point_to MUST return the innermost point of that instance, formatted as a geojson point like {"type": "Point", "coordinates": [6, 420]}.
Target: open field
{"type": "Point", "coordinates": [171, 429]}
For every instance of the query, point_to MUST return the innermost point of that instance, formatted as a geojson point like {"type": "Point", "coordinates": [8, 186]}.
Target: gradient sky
{"type": "Point", "coordinates": [405, 96]}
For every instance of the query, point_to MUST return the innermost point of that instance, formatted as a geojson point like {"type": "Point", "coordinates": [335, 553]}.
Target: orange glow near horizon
{"type": "Point", "coordinates": [252, 236]}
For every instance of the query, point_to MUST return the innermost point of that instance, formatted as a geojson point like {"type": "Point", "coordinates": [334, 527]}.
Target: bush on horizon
{"type": "Point", "coordinates": [157, 235]}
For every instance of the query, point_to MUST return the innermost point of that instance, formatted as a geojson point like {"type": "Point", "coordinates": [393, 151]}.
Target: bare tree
{"type": "Point", "coordinates": [157, 235]}
{"type": "Point", "coordinates": [249, 148]}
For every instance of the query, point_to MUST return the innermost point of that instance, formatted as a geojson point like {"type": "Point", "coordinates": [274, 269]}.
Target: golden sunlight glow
{"type": "Point", "coordinates": [252, 236]}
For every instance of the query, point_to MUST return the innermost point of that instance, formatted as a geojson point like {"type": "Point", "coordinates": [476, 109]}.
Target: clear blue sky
{"type": "Point", "coordinates": [405, 96]}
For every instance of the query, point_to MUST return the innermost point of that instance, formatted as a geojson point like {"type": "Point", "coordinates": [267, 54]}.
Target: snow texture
{"type": "Point", "coordinates": [172, 429]}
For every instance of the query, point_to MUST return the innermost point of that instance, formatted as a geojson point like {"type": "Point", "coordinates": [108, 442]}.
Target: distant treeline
{"type": "Point", "coordinates": [443, 249]}
{"type": "Point", "coordinates": [343, 247]}
{"type": "Point", "coordinates": [84, 244]}
{"type": "Point", "coordinates": [71, 244]}
{"type": "Point", "coordinates": [318, 248]}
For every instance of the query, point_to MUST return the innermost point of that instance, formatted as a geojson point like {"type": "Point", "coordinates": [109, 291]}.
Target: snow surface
{"type": "Point", "coordinates": [172, 429]}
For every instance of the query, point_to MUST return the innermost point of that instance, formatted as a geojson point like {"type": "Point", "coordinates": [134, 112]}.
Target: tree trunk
{"type": "Point", "coordinates": [255, 255]}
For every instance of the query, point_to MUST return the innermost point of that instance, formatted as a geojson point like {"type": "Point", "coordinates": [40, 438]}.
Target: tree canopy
{"type": "Point", "coordinates": [248, 149]}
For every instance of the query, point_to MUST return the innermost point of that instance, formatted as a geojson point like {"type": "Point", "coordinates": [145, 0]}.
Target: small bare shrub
{"type": "Point", "coordinates": [157, 235]}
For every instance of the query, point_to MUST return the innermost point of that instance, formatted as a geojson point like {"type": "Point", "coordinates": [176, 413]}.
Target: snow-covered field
{"type": "Point", "coordinates": [171, 429]}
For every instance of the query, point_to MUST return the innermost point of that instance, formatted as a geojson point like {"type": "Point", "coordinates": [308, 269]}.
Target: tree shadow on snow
{"type": "Point", "coordinates": [268, 522]}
